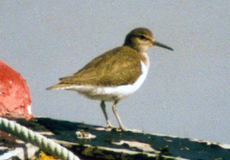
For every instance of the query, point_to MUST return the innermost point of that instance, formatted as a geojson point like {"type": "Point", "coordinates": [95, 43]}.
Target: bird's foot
{"type": "Point", "coordinates": [111, 127]}
{"type": "Point", "coordinates": [122, 128]}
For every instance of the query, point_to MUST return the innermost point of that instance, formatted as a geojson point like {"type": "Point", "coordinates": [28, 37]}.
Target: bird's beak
{"type": "Point", "coordinates": [155, 43]}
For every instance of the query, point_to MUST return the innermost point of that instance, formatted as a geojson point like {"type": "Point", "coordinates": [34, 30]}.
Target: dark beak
{"type": "Point", "coordinates": [155, 43]}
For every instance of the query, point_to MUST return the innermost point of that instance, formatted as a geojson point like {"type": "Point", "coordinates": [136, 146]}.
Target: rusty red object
{"type": "Point", "coordinates": [15, 100]}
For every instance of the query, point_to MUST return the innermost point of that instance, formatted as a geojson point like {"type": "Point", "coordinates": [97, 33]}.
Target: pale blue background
{"type": "Point", "coordinates": [186, 92]}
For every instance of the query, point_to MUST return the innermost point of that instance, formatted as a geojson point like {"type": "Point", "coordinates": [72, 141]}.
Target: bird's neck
{"type": "Point", "coordinates": [142, 50]}
{"type": "Point", "coordinates": [145, 58]}
{"type": "Point", "coordinates": [138, 47]}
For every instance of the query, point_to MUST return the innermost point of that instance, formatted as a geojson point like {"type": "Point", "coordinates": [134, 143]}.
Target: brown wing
{"type": "Point", "coordinates": [116, 67]}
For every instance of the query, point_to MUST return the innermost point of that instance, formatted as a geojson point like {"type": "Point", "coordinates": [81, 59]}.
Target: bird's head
{"type": "Point", "coordinates": [141, 39]}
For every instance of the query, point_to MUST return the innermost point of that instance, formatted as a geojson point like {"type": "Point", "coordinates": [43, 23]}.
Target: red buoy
{"type": "Point", "coordinates": [15, 100]}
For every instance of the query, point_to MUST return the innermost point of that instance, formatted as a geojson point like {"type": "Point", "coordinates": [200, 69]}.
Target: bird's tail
{"type": "Point", "coordinates": [58, 86]}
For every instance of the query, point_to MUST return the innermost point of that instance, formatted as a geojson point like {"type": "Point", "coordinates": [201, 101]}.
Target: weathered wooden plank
{"type": "Point", "coordinates": [96, 142]}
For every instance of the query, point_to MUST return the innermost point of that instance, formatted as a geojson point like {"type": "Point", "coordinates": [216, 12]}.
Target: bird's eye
{"type": "Point", "coordinates": [143, 37]}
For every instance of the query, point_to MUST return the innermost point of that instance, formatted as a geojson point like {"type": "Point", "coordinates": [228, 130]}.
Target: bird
{"type": "Point", "coordinates": [115, 74]}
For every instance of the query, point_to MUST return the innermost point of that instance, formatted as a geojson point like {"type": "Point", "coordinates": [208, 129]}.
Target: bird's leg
{"type": "Point", "coordinates": [117, 116]}
{"type": "Point", "coordinates": [105, 114]}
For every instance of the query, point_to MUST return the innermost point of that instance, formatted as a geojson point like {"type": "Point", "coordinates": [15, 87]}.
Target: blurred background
{"type": "Point", "coordinates": [186, 92]}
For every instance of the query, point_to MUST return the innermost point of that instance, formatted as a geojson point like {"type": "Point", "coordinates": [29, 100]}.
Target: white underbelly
{"type": "Point", "coordinates": [114, 92]}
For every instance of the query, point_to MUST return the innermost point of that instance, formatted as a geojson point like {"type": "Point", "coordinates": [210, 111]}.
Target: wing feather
{"type": "Point", "coordinates": [119, 66]}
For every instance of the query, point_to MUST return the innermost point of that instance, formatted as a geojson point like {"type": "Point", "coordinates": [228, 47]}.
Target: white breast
{"type": "Point", "coordinates": [112, 93]}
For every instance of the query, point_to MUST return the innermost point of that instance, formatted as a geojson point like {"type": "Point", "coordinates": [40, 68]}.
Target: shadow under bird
{"type": "Point", "coordinates": [116, 74]}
